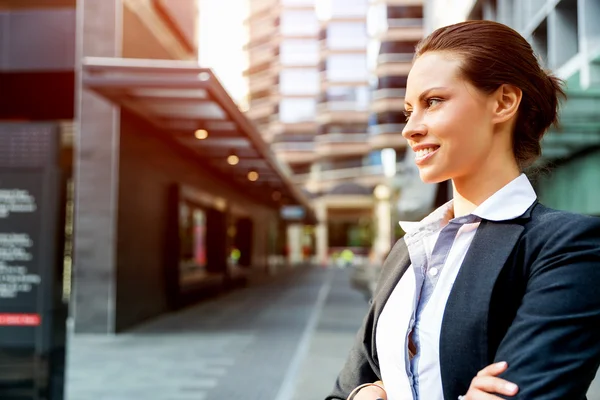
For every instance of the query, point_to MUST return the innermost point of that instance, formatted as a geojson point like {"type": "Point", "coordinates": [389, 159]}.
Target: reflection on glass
{"type": "Point", "coordinates": [193, 242]}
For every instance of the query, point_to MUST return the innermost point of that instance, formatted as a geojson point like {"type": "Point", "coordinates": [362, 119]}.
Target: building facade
{"type": "Point", "coordinates": [566, 36]}
{"type": "Point", "coordinates": [326, 85]}
{"type": "Point", "coordinates": [168, 192]}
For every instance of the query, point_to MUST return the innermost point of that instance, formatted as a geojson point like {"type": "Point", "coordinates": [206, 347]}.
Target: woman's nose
{"type": "Point", "coordinates": [413, 129]}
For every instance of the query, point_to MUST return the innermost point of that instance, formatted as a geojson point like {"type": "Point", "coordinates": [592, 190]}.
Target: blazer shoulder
{"type": "Point", "coordinates": [546, 222]}
{"type": "Point", "coordinates": [550, 232]}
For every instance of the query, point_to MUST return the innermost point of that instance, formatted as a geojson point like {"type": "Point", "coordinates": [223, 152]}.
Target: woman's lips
{"type": "Point", "coordinates": [423, 155]}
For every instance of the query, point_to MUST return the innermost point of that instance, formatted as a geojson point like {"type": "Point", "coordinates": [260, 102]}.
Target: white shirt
{"type": "Point", "coordinates": [420, 379]}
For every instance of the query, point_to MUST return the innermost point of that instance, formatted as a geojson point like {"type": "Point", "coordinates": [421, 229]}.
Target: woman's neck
{"type": "Point", "coordinates": [470, 191]}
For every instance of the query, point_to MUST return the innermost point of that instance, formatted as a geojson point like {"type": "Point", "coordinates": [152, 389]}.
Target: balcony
{"type": "Point", "coordinates": [388, 100]}
{"type": "Point", "coordinates": [341, 145]}
{"type": "Point", "coordinates": [258, 8]}
{"type": "Point", "coordinates": [278, 127]}
{"type": "Point", "coordinates": [386, 136]}
{"type": "Point", "coordinates": [346, 112]}
{"type": "Point", "coordinates": [261, 81]}
{"type": "Point", "coordinates": [370, 176]}
{"type": "Point", "coordinates": [262, 54]}
{"type": "Point", "coordinates": [295, 152]}
{"type": "Point", "coordinates": [259, 32]}
{"type": "Point", "coordinates": [398, 2]}
{"type": "Point", "coordinates": [260, 108]}
{"type": "Point", "coordinates": [394, 64]}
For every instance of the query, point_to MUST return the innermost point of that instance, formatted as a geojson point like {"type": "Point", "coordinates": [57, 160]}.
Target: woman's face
{"type": "Point", "coordinates": [449, 122]}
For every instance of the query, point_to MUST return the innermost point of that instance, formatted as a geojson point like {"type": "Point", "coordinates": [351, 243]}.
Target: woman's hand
{"type": "Point", "coordinates": [371, 393]}
{"type": "Point", "coordinates": [487, 383]}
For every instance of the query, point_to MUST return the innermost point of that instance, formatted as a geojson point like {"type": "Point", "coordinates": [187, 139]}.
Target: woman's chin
{"type": "Point", "coordinates": [430, 175]}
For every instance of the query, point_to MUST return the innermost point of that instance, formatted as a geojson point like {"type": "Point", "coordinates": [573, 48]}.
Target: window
{"type": "Point", "coordinates": [348, 8]}
{"type": "Point", "coordinates": [299, 23]}
{"type": "Point", "coordinates": [299, 81]}
{"type": "Point", "coordinates": [298, 2]}
{"type": "Point", "coordinates": [392, 82]}
{"type": "Point", "coordinates": [395, 12]}
{"type": "Point", "coordinates": [360, 95]}
{"type": "Point", "coordinates": [299, 52]}
{"type": "Point", "coordinates": [297, 110]}
{"type": "Point", "coordinates": [391, 117]}
{"type": "Point", "coordinates": [347, 68]}
{"type": "Point", "coordinates": [346, 35]}
{"type": "Point", "coordinates": [192, 238]}
{"type": "Point", "coordinates": [398, 47]}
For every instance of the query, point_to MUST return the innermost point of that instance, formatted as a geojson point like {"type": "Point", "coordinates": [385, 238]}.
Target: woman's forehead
{"type": "Point", "coordinates": [432, 70]}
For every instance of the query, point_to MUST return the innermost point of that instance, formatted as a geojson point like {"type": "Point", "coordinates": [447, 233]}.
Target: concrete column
{"type": "Point", "coordinates": [295, 244]}
{"type": "Point", "coordinates": [321, 233]}
{"type": "Point", "coordinates": [96, 161]}
{"type": "Point", "coordinates": [383, 218]}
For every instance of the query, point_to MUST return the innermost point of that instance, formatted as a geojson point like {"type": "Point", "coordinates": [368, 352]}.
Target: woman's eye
{"type": "Point", "coordinates": [406, 114]}
{"type": "Point", "coordinates": [433, 101]}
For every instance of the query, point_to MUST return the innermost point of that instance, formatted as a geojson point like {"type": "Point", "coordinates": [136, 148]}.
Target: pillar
{"type": "Point", "coordinates": [321, 233]}
{"type": "Point", "coordinates": [96, 162]}
{"type": "Point", "coordinates": [295, 244]}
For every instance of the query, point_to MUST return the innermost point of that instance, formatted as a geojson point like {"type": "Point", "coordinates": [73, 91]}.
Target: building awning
{"type": "Point", "coordinates": [190, 105]}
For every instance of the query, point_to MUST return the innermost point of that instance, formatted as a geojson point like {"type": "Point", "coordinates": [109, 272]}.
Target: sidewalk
{"type": "Point", "coordinates": [269, 341]}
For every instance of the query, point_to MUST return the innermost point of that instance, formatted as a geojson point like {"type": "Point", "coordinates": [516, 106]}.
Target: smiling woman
{"type": "Point", "coordinates": [493, 295]}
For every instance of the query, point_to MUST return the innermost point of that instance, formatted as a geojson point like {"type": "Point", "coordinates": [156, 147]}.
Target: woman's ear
{"type": "Point", "coordinates": [507, 99]}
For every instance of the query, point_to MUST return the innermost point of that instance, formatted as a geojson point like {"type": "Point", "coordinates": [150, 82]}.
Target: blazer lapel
{"type": "Point", "coordinates": [393, 269]}
{"type": "Point", "coordinates": [464, 336]}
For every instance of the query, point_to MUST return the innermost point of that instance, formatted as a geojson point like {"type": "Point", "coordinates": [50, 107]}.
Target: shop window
{"type": "Point", "coordinates": [192, 240]}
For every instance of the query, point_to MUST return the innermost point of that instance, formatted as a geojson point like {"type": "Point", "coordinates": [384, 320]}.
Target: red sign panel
{"type": "Point", "coordinates": [20, 320]}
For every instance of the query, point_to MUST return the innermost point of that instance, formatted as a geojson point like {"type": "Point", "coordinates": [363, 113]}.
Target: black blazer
{"type": "Point", "coordinates": [528, 293]}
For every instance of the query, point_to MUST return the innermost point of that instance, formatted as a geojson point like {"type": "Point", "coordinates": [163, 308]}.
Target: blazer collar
{"type": "Point", "coordinates": [467, 310]}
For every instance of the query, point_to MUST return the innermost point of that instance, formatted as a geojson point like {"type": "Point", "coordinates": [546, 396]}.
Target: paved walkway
{"type": "Point", "coordinates": [281, 340]}
{"type": "Point", "coordinates": [284, 339]}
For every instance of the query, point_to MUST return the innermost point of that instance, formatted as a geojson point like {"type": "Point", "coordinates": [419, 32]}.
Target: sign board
{"type": "Point", "coordinates": [29, 241]}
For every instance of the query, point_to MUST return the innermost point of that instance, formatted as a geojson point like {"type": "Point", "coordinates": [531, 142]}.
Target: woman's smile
{"type": "Point", "coordinates": [424, 153]}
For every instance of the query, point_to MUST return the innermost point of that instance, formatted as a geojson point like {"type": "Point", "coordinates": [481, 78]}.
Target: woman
{"type": "Point", "coordinates": [493, 295]}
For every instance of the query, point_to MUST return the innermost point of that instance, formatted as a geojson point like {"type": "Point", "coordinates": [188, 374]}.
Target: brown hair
{"type": "Point", "coordinates": [494, 54]}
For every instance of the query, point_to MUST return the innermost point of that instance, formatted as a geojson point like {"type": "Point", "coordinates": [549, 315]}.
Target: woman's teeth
{"type": "Point", "coordinates": [424, 152]}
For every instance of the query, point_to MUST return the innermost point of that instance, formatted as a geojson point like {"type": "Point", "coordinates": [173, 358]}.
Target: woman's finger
{"type": "Point", "coordinates": [476, 394]}
{"type": "Point", "coordinates": [493, 369]}
{"type": "Point", "coordinates": [492, 384]}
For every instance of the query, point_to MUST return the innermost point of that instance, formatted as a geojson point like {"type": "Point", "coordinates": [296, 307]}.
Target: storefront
{"type": "Point", "coordinates": [199, 193]}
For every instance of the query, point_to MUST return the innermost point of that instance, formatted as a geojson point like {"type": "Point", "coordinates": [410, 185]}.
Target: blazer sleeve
{"type": "Point", "coordinates": [361, 365]}
{"type": "Point", "coordinates": [553, 345]}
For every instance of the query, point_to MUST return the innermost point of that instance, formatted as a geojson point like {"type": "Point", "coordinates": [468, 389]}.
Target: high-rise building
{"type": "Point", "coordinates": [326, 90]}
{"type": "Point", "coordinates": [566, 36]}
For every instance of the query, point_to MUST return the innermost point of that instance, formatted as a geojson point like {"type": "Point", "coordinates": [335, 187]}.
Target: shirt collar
{"type": "Point", "coordinates": [510, 202]}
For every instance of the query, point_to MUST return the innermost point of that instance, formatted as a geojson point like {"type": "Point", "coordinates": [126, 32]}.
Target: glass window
{"type": "Point", "coordinates": [347, 68]}
{"type": "Point", "coordinates": [392, 82]}
{"type": "Point", "coordinates": [298, 2]}
{"type": "Point", "coordinates": [299, 81]}
{"type": "Point", "coordinates": [192, 238]}
{"type": "Point", "coordinates": [398, 47]}
{"type": "Point", "coordinates": [297, 110]}
{"type": "Point", "coordinates": [361, 95]}
{"type": "Point", "coordinates": [346, 35]}
{"type": "Point", "coordinates": [299, 23]}
{"type": "Point", "coordinates": [395, 12]}
{"type": "Point", "coordinates": [299, 52]}
{"type": "Point", "coordinates": [349, 8]}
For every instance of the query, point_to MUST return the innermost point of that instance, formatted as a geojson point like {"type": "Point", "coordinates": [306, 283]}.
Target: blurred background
{"type": "Point", "coordinates": [196, 196]}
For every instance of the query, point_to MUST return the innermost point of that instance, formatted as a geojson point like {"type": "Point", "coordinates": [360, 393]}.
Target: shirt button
{"type": "Point", "coordinates": [433, 271]}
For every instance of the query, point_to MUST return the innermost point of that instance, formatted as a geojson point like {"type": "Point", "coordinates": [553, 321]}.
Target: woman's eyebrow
{"type": "Point", "coordinates": [424, 94]}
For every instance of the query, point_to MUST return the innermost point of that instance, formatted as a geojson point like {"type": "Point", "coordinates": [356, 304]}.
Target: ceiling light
{"type": "Point", "coordinates": [232, 159]}
{"type": "Point", "coordinates": [201, 134]}
{"type": "Point", "coordinates": [253, 176]}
